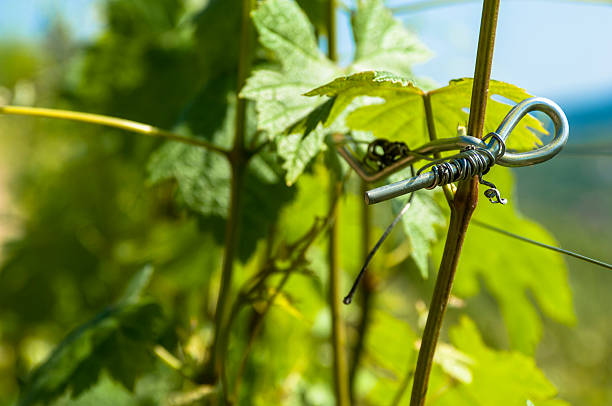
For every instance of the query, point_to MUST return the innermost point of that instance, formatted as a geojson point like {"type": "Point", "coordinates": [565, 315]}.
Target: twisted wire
{"type": "Point", "coordinates": [462, 166]}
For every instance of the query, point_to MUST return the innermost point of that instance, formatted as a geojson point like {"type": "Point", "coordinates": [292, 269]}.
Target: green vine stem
{"type": "Point", "coordinates": [340, 368]}
{"type": "Point", "coordinates": [367, 294]}
{"type": "Point", "coordinates": [238, 157]}
{"type": "Point", "coordinates": [107, 121]}
{"type": "Point", "coordinates": [462, 207]}
{"type": "Point", "coordinates": [341, 383]}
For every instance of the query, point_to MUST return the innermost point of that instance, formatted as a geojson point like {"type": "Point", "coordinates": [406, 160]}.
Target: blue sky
{"type": "Point", "coordinates": [557, 49]}
{"type": "Point", "coordinates": [31, 18]}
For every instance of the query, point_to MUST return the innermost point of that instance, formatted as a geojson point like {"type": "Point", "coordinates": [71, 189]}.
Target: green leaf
{"type": "Point", "coordinates": [137, 285]}
{"type": "Point", "coordinates": [391, 351]}
{"type": "Point", "coordinates": [498, 377]}
{"type": "Point", "coordinates": [421, 224]}
{"type": "Point", "coordinates": [320, 115]}
{"type": "Point", "coordinates": [217, 19]}
{"type": "Point", "coordinates": [278, 90]}
{"type": "Point", "coordinates": [451, 104]}
{"type": "Point", "coordinates": [383, 42]}
{"type": "Point", "coordinates": [390, 344]}
{"type": "Point", "coordinates": [203, 178]}
{"type": "Point", "coordinates": [116, 340]}
{"type": "Point", "coordinates": [203, 185]}
{"type": "Point", "coordinates": [298, 152]}
{"type": "Point", "coordinates": [514, 271]}
{"type": "Point", "coordinates": [344, 90]}
{"type": "Point", "coordinates": [284, 29]}
{"type": "Point", "coordinates": [401, 114]}
{"type": "Point", "coordinates": [197, 173]}
{"type": "Point", "coordinates": [316, 10]}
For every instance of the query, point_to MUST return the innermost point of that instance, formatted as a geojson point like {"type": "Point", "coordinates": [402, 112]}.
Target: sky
{"type": "Point", "coordinates": [30, 19]}
{"type": "Point", "coordinates": [557, 49]}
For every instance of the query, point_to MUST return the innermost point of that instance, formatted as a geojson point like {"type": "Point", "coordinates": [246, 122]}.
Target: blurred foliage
{"type": "Point", "coordinates": [117, 340]}
{"type": "Point", "coordinates": [94, 206]}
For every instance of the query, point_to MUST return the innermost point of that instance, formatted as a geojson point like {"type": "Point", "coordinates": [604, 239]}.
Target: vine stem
{"type": "Point", "coordinates": [367, 295]}
{"type": "Point", "coordinates": [341, 382]}
{"type": "Point", "coordinates": [340, 369]}
{"type": "Point", "coordinates": [114, 122]}
{"type": "Point", "coordinates": [462, 207]}
{"type": "Point", "coordinates": [238, 157]}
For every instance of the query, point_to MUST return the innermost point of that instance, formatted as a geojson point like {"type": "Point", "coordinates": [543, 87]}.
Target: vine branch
{"type": "Point", "coordinates": [238, 158]}
{"type": "Point", "coordinates": [340, 368]}
{"type": "Point", "coordinates": [462, 208]}
{"type": "Point", "coordinates": [114, 122]}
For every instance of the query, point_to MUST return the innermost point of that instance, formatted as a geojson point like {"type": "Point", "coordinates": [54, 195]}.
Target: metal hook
{"type": "Point", "coordinates": [492, 193]}
{"type": "Point", "coordinates": [543, 153]}
{"type": "Point", "coordinates": [477, 160]}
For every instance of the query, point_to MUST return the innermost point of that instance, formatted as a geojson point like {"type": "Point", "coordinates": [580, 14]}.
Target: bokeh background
{"type": "Point", "coordinates": [55, 177]}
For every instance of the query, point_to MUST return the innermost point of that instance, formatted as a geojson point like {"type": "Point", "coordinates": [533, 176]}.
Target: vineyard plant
{"type": "Point", "coordinates": [199, 253]}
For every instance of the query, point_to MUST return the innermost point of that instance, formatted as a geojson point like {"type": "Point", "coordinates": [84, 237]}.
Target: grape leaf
{"type": "Point", "coordinates": [279, 90]}
{"type": "Point", "coordinates": [451, 104]}
{"type": "Point", "coordinates": [390, 344]}
{"type": "Point", "coordinates": [401, 115]}
{"type": "Point", "coordinates": [498, 377]}
{"type": "Point", "coordinates": [197, 173]}
{"type": "Point", "coordinates": [116, 340]}
{"type": "Point", "coordinates": [382, 42]}
{"type": "Point", "coordinates": [511, 269]}
{"type": "Point", "coordinates": [420, 224]}
{"type": "Point", "coordinates": [391, 348]}
{"type": "Point", "coordinates": [285, 30]}
{"type": "Point", "coordinates": [203, 178]}
{"type": "Point", "coordinates": [316, 10]}
{"type": "Point", "coordinates": [217, 19]}
{"type": "Point", "coordinates": [478, 374]}
{"type": "Point", "coordinates": [203, 186]}
{"type": "Point", "coordinates": [134, 290]}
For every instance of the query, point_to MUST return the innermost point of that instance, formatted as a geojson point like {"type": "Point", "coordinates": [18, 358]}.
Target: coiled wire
{"type": "Point", "coordinates": [383, 153]}
{"type": "Point", "coordinates": [468, 163]}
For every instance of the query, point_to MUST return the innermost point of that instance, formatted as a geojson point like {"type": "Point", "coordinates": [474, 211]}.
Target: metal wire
{"type": "Point", "coordinates": [462, 166]}
{"type": "Point", "coordinates": [478, 161]}
{"type": "Point", "coordinates": [349, 298]}
{"type": "Point", "coordinates": [542, 245]}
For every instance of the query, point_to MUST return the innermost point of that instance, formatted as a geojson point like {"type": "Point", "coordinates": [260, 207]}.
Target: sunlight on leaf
{"type": "Point", "coordinates": [512, 270]}
{"type": "Point", "coordinates": [499, 377]}
{"type": "Point", "coordinates": [401, 116]}
{"type": "Point", "coordinates": [279, 90]}
{"type": "Point", "coordinates": [421, 224]}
